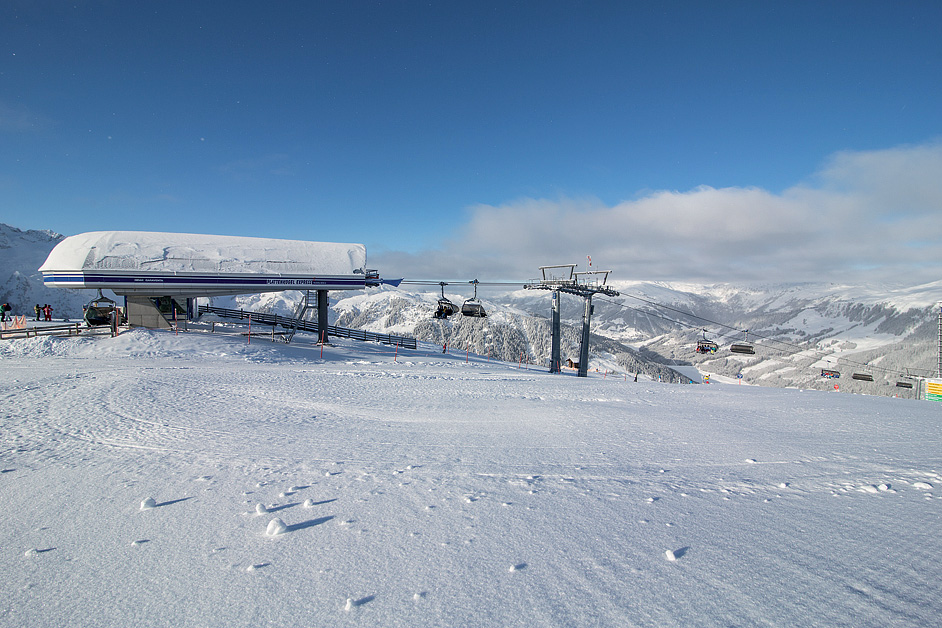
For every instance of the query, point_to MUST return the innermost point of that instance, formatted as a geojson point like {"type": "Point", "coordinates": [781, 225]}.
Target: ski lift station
{"type": "Point", "coordinates": [160, 275]}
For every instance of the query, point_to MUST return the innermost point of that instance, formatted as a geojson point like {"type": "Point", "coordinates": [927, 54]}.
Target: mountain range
{"type": "Point", "coordinates": [652, 328]}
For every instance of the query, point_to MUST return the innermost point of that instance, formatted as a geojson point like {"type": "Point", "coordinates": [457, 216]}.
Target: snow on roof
{"type": "Point", "coordinates": [186, 252]}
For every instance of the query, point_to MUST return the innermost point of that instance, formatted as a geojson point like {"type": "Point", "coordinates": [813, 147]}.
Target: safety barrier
{"type": "Point", "coordinates": [340, 332]}
{"type": "Point", "coordinates": [71, 329]}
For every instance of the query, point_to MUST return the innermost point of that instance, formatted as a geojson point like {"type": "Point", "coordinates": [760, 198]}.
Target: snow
{"type": "Point", "coordinates": [194, 479]}
{"type": "Point", "coordinates": [187, 252]}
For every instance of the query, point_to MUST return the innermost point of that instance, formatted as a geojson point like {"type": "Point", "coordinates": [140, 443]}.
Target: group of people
{"type": "Point", "coordinates": [44, 312]}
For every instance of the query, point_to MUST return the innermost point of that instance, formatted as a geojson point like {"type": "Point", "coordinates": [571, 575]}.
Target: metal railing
{"type": "Point", "coordinates": [70, 329]}
{"type": "Point", "coordinates": [284, 321]}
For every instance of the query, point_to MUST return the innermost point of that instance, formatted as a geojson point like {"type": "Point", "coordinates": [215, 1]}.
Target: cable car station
{"type": "Point", "coordinates": [160, 275]}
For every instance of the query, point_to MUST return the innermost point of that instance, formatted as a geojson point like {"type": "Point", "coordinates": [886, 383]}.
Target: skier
{"type": "Point", "coordinates": [3, 311]}
{"type": "Point", "coordinates": [38, 311]}
{"type": "Point", "coordinates": [47, 310]}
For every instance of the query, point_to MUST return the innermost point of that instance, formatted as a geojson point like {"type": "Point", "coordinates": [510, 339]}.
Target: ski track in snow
{"type": "Point", "coordinates": [237, 489]}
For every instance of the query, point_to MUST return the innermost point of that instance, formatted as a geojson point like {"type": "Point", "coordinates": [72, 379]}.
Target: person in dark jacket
{"type": "Point", "coordinates": [38, 311]}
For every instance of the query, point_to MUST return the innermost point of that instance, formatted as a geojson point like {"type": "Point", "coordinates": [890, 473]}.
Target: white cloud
{"type": "Point", "coordinates": [864, 217]}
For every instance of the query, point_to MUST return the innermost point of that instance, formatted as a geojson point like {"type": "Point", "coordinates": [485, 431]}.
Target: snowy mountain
{"type": "Point", "coordinates": [651, 328]}
{"type": "Point", "coordinates": [21, 284]}
{"type": "Point", "coordinates": [506, 333]}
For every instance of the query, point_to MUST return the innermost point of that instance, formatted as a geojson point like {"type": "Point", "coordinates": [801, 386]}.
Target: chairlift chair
{"type": "Point", "coordinates": [864, 377]}
{"type": "Point", "coordinates": [743, 347]}
{"type": "Point", "coordinates": [472, 307]}
{"type": "Point", "coordinates": [445, 307]}
{"type": "Point", "coordinates": [706, 346]}
{"type": "Point", "coordinates": [905, 381]}
{"type": "Point", "coordinates": [99, 310]}
{"type": "Point", "coordinates": [830, 374]}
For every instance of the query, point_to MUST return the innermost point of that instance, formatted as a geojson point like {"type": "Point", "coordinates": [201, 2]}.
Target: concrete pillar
{"type": "Point", "coordinates": [143, 312]}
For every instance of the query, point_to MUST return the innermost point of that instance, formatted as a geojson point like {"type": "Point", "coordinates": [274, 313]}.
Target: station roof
{"type": "Point", "coordinates": [139, 262]}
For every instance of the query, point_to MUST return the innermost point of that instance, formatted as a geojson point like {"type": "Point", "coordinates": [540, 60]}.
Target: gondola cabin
{"type": "Point", "coordinates": [904, 383]}
{"type": "Point", "coordinates": [742, 348]}
{"type": "Point", "coordinates": [864, 377]}
{"type": "Point", "coordinates": [829, 374]}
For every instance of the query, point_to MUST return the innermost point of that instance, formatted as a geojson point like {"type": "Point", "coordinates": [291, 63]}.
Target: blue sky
{"type": "Point", "coordinates": [723, 141]}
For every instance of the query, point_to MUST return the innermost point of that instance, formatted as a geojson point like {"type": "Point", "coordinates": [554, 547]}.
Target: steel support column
{"type": "Point", "coordinates": [584, 350]}
{"type": "Point", "coordinates": [555, 357]}
{"type": "Point", "coordinates": [322, 315]}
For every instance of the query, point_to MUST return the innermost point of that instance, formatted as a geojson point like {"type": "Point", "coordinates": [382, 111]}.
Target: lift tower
{"type": "Point", "coordinates": [564, 278]}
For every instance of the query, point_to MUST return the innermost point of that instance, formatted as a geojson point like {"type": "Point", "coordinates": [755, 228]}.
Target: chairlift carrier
{"type": "Point", "coordinates": [472, 307]}
{"type": "Point", "coordinates": [98, 311]}
{"type": "Point", "coordinates": [445, 307]}
{"type": "Point", "coordinates": [743, 347]}
{"type": "Point", "coordinates": [905, 381]}
{"type": "Point", "coordinates": [706, 346]}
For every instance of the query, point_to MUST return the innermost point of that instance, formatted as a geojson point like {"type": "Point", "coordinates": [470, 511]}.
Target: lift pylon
{"type": "Point", "coordinates": [564, 278]}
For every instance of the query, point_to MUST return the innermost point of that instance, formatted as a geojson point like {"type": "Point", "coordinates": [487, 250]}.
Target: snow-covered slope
{"type": "Point", "coordinates": [196, 480]}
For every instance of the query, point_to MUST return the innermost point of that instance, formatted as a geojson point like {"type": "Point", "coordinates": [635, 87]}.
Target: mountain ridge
{"type": "Point", "coordinates": [798, 329]}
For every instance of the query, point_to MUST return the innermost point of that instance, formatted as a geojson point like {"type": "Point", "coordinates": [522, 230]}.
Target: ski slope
{"type": "Point", "coordinates": [196, 480]}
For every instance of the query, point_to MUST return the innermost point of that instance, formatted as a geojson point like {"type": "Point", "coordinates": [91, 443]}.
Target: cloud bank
{"type": "Point", "coordinates": [864, 217]}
